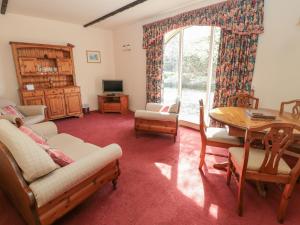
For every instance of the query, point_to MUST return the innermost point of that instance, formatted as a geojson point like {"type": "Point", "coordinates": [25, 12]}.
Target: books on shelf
{"type": "Point", "coordinates": [260, 114]}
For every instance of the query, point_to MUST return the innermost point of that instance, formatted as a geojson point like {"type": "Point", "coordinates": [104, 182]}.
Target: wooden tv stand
{"type": "Point", "coordinates": [113, 103]}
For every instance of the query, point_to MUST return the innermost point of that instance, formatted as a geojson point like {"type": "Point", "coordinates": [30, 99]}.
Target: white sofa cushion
{"type": "Point", "coordinates": [256, 157]}
{"type": "Point", "coordinates": [148, 115]}
{"type": "Point", "coordinates": [62, 140]}
{"type": "Point", "coordinates": [31, 158]}
{"type": "Point", "coordinates": [63, 179]}
{"type": "Point", "coordinates": [45, 129]}
{"type": "Point", "coordinates": [29, 120]}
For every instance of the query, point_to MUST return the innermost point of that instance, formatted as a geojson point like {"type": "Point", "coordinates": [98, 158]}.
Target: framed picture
{"type": "Point", "coordinates": [93, 56]}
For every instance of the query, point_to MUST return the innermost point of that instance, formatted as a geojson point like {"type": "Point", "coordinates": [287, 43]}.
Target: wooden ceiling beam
{"type": "Point", "coordinates": [4, 6]}
{"type": "Point", "coordinates": [130, 5]}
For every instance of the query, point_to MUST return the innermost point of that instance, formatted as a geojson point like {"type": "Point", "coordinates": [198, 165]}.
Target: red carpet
{"type": "Point", "coordinates": [160, 183]}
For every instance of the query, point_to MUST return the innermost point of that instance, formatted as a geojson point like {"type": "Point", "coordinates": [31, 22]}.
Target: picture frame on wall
{"type": "Point", "coordinates": [93, 56]}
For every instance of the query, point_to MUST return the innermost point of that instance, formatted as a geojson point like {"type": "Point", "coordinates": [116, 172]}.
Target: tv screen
{"type": "Point", "coordinates": [112, 85]}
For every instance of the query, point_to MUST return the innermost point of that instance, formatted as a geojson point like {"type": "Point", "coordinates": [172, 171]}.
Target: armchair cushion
{"type": "Point", "coordinates": [149, 115]}
{"type": "Point", "coordinates": [63, 179]}
{"type": "Point", "coordinates": [11, 110]}
{"type": "Point", "coordinates": [154, 107]}
{"type": "Point", "coordinates": [256, 157]}
{"type": "Point", "coordinates": [30, 157]}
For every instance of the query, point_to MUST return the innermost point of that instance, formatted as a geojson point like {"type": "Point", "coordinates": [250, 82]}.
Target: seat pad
{"type": "Point", "coordinates": [256, 157]}
{"type": "Point", "coordinates": [221, 135]}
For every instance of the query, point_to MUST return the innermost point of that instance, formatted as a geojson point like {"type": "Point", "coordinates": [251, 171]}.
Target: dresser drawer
{"type": "Point", "coordinates": [72, 90]}
{"type": "Point", "coordinates": [35, 93]}
{"type": "Point", "coordinates": [111, 107]}
{"type": "Point", "coordinates": [54, 91]}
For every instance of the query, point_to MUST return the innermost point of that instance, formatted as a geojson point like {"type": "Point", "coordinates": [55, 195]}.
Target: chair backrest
{"type": "Point", "coordinates": [244, 100]}
{"type": "Point", "coordinates": [276, 137]}
{"type": "Point", "coordinates": [202, 120]}
{"type": "Point", "coordinates": [295, 110]}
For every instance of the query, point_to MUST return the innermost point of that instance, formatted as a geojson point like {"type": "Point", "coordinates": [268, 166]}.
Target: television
{"type": "Point", "coordinates": [112, 86]}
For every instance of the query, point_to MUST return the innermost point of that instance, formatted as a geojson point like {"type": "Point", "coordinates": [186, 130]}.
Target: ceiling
{"type": "Point", "coordinates": [84, 11]}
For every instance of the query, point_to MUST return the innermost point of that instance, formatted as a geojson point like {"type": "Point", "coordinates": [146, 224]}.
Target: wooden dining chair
{"type": "Point", "coordinates": [294, 105]}
{"type": "Point", "coordinates": [265, 165]}
{"type": "Point", "coordinates": [213, 136]}
{"type": "Point", "coordinates": [244, 100]}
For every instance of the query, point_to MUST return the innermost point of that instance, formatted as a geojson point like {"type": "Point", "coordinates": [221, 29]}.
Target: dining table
{"type": "Point", "coordinates": [237, 120]}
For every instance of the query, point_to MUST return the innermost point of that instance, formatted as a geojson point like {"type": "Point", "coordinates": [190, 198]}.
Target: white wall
{"type": "Point", "coordinates": [277, 68]}
{"type": "Point", "coordinates": [277, 71]}
{"type": "Point", "coordinates": [131, 65]}
{"type": "Point", "coordinates": [30, 29]}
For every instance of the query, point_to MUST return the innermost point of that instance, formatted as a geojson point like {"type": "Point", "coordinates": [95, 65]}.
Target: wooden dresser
{"type": "Point", "coordinates": [50, 70]}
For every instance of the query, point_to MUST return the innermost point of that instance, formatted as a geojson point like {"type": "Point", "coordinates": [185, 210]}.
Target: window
{"type": "Point", "coordinates": [190, 59]}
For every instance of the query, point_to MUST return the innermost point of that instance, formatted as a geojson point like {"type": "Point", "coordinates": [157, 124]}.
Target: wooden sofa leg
{"type": "Point", "coordinates": [115, 182]}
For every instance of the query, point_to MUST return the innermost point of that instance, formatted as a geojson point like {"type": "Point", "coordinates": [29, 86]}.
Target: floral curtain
{"type": "Point", "coordinates": [154, 65]}
{"type": "Point", "coordinates": [238, 17]}
{"type": "Point", "coordinates": [235, 67]}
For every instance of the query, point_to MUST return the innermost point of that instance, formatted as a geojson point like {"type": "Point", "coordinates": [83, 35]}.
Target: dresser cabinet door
{"type": "Point", "coordinates": [28, 66]}
{"type": "Point", "coordinates": [55, 106]}
{"type": "Point", "coordinates": [65, 66]}
{"type": "Point", "coordinates": [73, 103]}
{"type": "Point", "coordinates": [39, 100]}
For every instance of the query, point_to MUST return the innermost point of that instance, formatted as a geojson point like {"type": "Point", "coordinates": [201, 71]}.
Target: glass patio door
{"type": "Point", "coordinates": [190, 57]}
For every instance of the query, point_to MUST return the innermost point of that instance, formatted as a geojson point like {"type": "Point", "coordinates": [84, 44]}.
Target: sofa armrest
{"type": "Point", "coordinates": [149, 115]}
{"type": "Point", "coordinates": [46, 129]}
{"type": "Point", "coordinates": [32, 110]}
{"type": "Point", "coordinates": [154, 107]}
{"type": "Point", "coordinates": [63, 179]}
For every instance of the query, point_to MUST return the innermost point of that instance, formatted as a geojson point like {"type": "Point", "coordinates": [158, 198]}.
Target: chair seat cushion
{"type": "Point", "coordinates": [30, 120]}
{"type": "Point", "coordinates": [221, 135]}
{"type": "Point", "coordinates": [63, 140]}
{"type": "Point", "coordinates": [72, 146]}
{"type": "Point", "coordinates": [149, 115]}
{"type": "Point", "coordinates": [256, 157]}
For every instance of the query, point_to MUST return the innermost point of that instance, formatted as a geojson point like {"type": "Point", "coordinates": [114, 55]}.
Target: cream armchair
{"type": "Point", "coordinates": [153, 119]}
{"type": "Point", "coordinates": [32, 113]}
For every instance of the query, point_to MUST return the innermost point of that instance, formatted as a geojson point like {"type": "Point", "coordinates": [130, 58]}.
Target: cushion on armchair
{"type": "Point", "coordinates": [30, 157]}
{"type": "Point", "coordinates": [11, 110]}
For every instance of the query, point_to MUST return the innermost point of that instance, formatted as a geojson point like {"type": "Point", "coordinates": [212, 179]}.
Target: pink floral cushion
{"type": "Point", "coordinates": [34, 136]}
{"type": "Point", "coordinates": [165, 108]}
{"type": "Point", "coordinates": [11, 110]}
{"type": "Point", "coordinates": [59, 157]}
